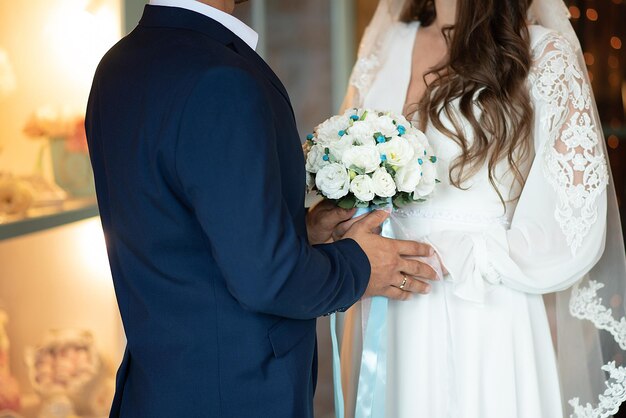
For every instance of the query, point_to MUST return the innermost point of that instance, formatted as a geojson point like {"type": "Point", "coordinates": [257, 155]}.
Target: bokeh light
{"type": "Point", "coordinates": [616, 42]}
{"type": "Point", "coordinates": [592, 14]}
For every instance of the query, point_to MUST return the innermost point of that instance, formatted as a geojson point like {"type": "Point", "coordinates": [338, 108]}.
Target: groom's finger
{"type": "Point", "coordinates": [336, 215]}
{"type": "Point", "coordinates": [418, 269]}
{"type": "Point", "coordinates": [373, 220]}
{"type": "Point", "coordinates": [343, 227]}
{"type": "Point", "coordinates": [413, 248]}
{"type": "Point", "coordinates": [414, 285]}
{"type": "Point", "coordinates": [396, 294]}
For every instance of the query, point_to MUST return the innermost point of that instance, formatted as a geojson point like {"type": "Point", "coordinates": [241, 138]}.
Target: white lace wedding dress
{"type": "Point", "coordinates": [479, 346]}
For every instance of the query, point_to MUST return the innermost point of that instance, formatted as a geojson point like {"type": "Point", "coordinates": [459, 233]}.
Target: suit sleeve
{"type": "Point", "coordinates": [229, 171]}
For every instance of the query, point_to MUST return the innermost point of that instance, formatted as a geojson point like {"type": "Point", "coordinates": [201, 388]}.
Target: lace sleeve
{"type": "Point", "coordinates": [558, 227]}
{"type": "Point", "coordinates": [573, 159]}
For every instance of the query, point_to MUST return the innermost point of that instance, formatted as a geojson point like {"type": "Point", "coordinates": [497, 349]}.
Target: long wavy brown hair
{"type": "Point", "coordinates": [487, 66]}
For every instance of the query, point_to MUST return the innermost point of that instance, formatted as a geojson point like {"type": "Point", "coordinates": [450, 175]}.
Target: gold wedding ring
{"type": "Point", "coordinates": [403, 282]}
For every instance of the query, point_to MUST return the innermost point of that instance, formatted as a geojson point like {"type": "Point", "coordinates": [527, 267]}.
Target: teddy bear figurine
{"type": "Point", "coordinates": [68, 374]}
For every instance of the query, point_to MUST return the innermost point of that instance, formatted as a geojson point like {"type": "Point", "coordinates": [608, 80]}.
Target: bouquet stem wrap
{"type": "Point", "coordinates": [373, 373]}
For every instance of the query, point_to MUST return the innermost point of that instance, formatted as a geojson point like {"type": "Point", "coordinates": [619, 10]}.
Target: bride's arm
{"type": "Point", "coordinates": [557, 233]}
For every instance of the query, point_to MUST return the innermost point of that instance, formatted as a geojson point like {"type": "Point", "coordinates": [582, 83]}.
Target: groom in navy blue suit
{"type": "Point", "coordinates": [200, 183]}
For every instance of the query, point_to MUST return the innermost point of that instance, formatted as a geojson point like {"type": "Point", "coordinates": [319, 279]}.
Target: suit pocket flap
{"type": "Point", "coordinates": [287, 333]}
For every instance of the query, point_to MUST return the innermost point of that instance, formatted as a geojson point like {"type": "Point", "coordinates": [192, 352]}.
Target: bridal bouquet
{"type": "Point", "coordinates": [366, 158]}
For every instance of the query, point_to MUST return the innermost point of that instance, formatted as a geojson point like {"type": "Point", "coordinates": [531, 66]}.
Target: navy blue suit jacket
{"type": "Point", "coordinates": [200, 182]}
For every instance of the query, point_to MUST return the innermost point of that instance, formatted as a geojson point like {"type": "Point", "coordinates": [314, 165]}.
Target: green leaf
{"type": "Point", "coordinates": [402, 199]}
{"type": "Point", "coordinates": [361, 204]}
{"type": "Point", "coordinates": [357, 170]}
{"type": "Point", "coordinates": [364, 115]}
{"type": "Point", "coordinates": [380, 201]}
{"type": "Point", "coordinates": [348, 202]}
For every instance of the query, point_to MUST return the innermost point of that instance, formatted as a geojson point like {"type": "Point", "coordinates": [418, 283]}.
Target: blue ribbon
{"type": "Point", "coordinates": [371, 396]}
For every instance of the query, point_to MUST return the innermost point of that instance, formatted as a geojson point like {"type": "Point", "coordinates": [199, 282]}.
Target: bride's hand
{"type": "Point", "coordinates": [323, 219]}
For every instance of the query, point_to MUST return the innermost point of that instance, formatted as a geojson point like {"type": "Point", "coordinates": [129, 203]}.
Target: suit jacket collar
{"type": "Point", "coordinates": [174, 17]}
{"type": "Point", "coordinates": [239, 28]}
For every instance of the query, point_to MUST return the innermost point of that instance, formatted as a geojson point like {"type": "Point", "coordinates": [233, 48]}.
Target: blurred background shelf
{"type": "Point", "coordinates": [47, 217]}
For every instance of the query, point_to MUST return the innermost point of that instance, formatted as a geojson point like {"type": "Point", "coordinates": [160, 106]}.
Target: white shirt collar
{"type": "Point", "coordinates": [235, 25]}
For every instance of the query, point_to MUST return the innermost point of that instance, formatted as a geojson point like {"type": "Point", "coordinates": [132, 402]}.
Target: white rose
{"type": "Point", "coordinates": [363, 133]}
{"type": "Point", "coordinates": [408, 177]}
{"type": "Point", "coordinates": [362, 157]}
{"type": "Point", "coordinates": [315, 159]}
{"type": "Point", "coordinates": [383, 184]}
{"type": "Point", "coordinates": [428, 181]}
{"type": "Point", "coordinates": [415, 135]}
{"type": "Point", "coordinates": [419, 148]}
{"type": "Point", "coordinates": [369, 113]}
{"type": "Point", "coordinates": [384, 124]}
{"type": "Point", "coordinates": [328, 131]}
{"type": "Point", "coordinates": [397, 151]}
{"type": "Point", "coordinates": [333, 181]}
{"type": "Point", "coordinates": [401, 120]}
{"type": "Point", "coordinates": [362, 187]}
{"type": "Point", "coordinates": [338, 148]}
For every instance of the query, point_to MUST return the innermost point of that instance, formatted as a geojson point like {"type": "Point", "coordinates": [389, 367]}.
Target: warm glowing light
{"type": "Point", "coordinates": [616, 42]}
{"type": "Point", "coordinates": [591, 76]}
{"type": "Point", "coordinates": [615, 123]}
{"type": "Point", "coordinates": [613, 141]}
{"type": "Point", "coordinates": [613, 62]}
{"type": "Point", "coordinates": [575, 12]}
{"type": "Point", "coordinates": [589, 58]}
{"type": "Point", "coordinates": [92, 249]}
{"type": "Point", "coordinates": [592, 14]}
{"type": "Point", "coordinates": [614, 79]}
{"type": "Point", "coordinates": [7, 75]}
{"type": "Point", "coordinates": [617, 1]}
{"type": "Point", "coordinates": [79, 38]}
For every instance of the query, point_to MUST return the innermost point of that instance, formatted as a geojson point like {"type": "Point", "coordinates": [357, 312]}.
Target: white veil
{"type": "Point", "coordinates": [589, 320]}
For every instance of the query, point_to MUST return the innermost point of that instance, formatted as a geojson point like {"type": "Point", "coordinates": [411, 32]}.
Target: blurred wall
{"type": "Point", "coordinates": [58, 279]}
{"type": "Point", "coordinates": [53, 47]}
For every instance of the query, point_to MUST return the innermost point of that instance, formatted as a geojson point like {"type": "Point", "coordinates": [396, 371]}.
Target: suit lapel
{"type": "Point", "coordinates": [174, 17]}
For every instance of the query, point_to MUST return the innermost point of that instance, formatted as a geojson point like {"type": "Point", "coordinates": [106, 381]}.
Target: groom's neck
{"type": "Point", "coordinates": [226, 6]}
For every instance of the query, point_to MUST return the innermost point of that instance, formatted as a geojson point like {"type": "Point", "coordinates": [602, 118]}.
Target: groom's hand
{"type": "Point", "coordinates": [323, 219]}
{"type": "Point", "coordinates": [393, 274]}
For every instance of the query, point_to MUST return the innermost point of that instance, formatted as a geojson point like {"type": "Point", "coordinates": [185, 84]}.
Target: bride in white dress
{"type": "Point", "coordinates": [479, 345]}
